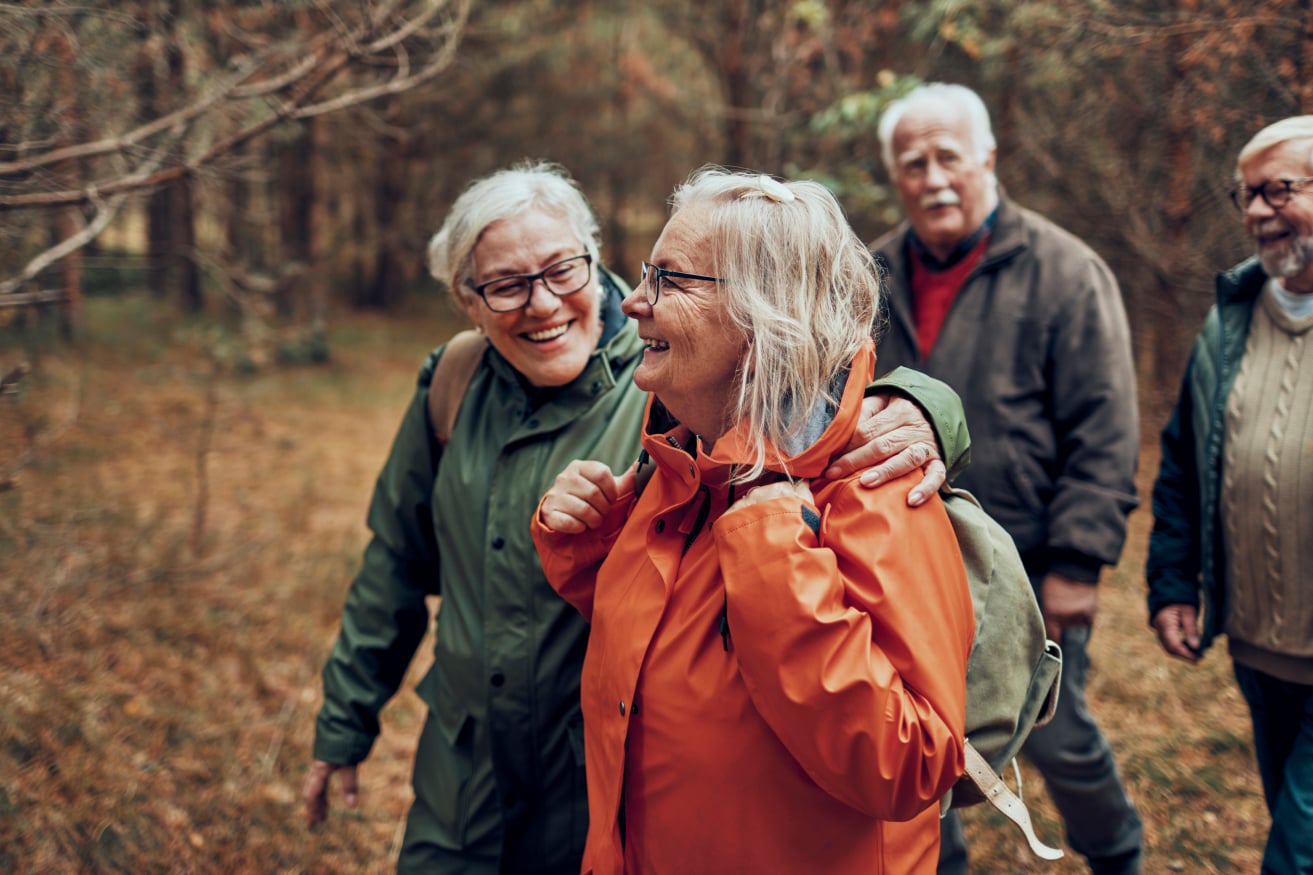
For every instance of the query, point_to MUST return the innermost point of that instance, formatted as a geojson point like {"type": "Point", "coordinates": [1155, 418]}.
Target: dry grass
{"type": "Point", "coordinates": [159, 668]}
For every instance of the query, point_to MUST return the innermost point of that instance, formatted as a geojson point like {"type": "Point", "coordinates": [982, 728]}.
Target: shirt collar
{"type": "Point", "coordinates": [963, 248]}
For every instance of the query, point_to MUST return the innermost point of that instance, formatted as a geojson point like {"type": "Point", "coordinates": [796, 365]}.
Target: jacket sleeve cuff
{"type": "Point", "coordinates": [1075, 566]}
{"type": "Point", "coordinates": [342, 750]}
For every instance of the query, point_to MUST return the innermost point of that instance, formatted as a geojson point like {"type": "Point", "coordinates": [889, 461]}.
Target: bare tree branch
{"type": "Point", "coordinates": [120, 143]}
{"type": "Point", "coordinates": [409, 41]}
{"type": "Point", "coordinates": [104, 215]}
{"type": "Point", "coordinates": [305, 78]}
{"type": "Point", "coordinates": [396, 86]}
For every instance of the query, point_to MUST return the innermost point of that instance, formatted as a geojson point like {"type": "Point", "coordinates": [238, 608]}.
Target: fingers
{"type": "Point", "coordinates": [1066, 603]}
{"type": "Point", "coordinates": [624, 484]}
{"type": "Point", "coordinates": [1177, 633]}
{"type": "Point", "coordinates": [314, 793]}
{"type": "Point", "coordinates": [581, 495]}
{"type": "Point", "coordinates": [314, 790]}
{"type": "Point", "coordinates": [912, 457]}
{"type": "Point", "coordinates": [779, 489]}
{"type": "Point", "coordinates": [936, 475]}
{"type": "Point", "coordinates": [881, 458]}
{"type": "Point", "coordinates": [350, 789]}
{"type": "Point", "coordinates": [892, 439]}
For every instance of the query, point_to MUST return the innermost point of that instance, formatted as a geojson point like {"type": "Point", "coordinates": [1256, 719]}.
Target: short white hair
{"type": "Point", "coordinates": [982, 133]}
{"type": "Point", "coordinates": [501, 195]}
{"type": "Point", "coordinates": [1296, 127]}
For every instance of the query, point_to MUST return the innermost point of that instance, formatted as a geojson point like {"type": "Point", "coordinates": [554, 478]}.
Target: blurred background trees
{"type": "Point", "coordinates": [268, 164]}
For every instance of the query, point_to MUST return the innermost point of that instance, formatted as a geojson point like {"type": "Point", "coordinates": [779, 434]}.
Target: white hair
{"type": "Point", "coordinates": [501, 195]}
{"type": "Point", "coordinates": [982, 134]}
{"type": "Point", "coordinates": [1296, 127]}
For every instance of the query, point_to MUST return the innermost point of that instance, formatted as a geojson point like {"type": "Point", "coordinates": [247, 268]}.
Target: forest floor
{"type": "Point", "coordinates": [175, 543]}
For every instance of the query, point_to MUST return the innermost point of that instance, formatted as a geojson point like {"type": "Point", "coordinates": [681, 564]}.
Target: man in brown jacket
{"type": "Point", "coordinates": [1026, 322]}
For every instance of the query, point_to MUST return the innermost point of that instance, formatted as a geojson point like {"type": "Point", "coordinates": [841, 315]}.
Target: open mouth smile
{"type": "Point", "coordinates": [546, 334]}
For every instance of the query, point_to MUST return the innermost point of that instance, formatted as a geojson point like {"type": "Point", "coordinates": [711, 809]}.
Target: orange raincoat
{"type": "Point", "coordinates": [777, 690]}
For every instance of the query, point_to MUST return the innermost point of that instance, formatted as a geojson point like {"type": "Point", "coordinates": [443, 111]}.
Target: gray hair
{"type": "Point", "coordinates": [798, 282]}
{"type": "Point", "coordinates": [1296, 127]}
{"type": "Point", "coordinates": [501, 195]}
{"type": "Point", "coordinates": [982, 133]}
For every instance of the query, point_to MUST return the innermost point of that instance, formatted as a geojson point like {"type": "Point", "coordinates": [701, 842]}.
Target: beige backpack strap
{"type": "Point", "coordinates": [1012, 807]}
{"type": "Point", "coordinates": [451, 377]}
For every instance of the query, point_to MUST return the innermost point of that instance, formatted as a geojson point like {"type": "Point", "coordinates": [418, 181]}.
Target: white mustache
{"type": "Point", "coordinates": [945, 197]}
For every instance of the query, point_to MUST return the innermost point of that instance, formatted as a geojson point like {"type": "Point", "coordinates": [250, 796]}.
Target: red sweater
{"type": "Point", "coordinates": [933, 293]}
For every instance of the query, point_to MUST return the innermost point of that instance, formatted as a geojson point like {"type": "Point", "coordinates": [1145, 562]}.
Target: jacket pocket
{"type": "Point", "coordinates": [445, 762]}
{"type": "Point", "coordinates": [444, 766]}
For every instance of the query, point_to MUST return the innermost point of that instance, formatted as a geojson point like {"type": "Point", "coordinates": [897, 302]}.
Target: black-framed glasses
{"type": "Point", "coordinates": [653, 275]}
{"type": "Point", "coordinates": [564, 277]}
{"type": "Point", "coordinates": [1276, 193]}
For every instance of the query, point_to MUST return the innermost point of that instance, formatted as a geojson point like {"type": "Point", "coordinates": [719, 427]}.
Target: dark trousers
{"type": "Point", "coordinates": [1282, 713]}
{"type": "Point", "coordinates": [479, 832]}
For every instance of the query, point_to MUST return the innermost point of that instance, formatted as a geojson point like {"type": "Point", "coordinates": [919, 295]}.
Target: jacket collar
{"type": "Point", "coordinates": [1007, 237]}
{"type": "Point", "coordinates": [1241, 283]}
{"type": "Point", "coordinates": [917, 249]}
{"type": "Point", "coordinates": [685, 457]}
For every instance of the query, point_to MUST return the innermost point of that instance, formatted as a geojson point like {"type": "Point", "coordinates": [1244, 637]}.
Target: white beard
{"type": "Point", "coordinates": [1290, 261]}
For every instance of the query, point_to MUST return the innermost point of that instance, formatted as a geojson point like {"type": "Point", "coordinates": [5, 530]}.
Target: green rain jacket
{"type": "Point", "coordinates": [504, 686]}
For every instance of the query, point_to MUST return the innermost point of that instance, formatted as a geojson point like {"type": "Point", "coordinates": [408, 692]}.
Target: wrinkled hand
{"type": "Point", "coordinates": [314, 792]}
{"type": "Point", "coordinates": [582, 495]}
{"type": "Point", "coordinates": [1066, 603]}
{"type": "Point", "coordinates": [779, 489]}
{"type": "Point", "coordinates": [892, 438]}
{"type": "Point", "coordinates": [1178, 631]}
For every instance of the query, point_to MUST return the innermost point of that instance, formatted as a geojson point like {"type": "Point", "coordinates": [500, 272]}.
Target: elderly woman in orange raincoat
{"type": "Point", "coordinates": [775, 678]}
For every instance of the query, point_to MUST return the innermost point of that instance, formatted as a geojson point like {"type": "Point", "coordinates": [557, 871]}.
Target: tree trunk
{"type": "Point", "coordinates": [67, 223]}
{"type": "Point", "coordinates": [735, 75]}
{"type": "Point", "coordinates": [1306, 58]}
{"type": "Point", "coordinates": [1160, 369]}
{"type": "Point", "coordinates": [185, 275]}
{"type": "Point", "coordinates": [319, 223]}
{"type": "Point", "coordinates": [295, 194]}
{"type": "Point", "coordinates": [67, 220]}
{"type": "Point", "coordinates": [170, 213]}
{"type": "Point", "coordinates": [391, 277]}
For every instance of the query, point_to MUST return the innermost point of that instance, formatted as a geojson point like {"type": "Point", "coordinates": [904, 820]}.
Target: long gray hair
{"type": "Point", "coordinates": [502, 195]}
{"type": "Point", "coordinates": [798, 282]}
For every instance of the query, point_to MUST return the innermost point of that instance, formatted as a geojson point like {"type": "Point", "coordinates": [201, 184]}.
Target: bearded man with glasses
{"type": "Point", "coordinates": [1232, 533]}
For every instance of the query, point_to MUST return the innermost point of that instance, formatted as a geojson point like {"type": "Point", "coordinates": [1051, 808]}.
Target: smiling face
{"type": "Point", "coordinates": [946, 190]}
{"type": "Point", "coordinates": [693, 348]}
{"type": "Point", "coordinates": [550, 339]}
{"type": "Point", "coordinates": [1283, 238]}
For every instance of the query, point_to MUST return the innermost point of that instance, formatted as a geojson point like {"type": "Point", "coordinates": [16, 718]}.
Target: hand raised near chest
{"type": "Point", "coordinates": [582, 495]}
{"type": "Point", "coordinates": [800, 489]}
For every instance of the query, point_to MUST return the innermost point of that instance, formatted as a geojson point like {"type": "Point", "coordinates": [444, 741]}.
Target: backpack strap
{"type": "Point", "coordinates": [451, 378]}
{"type": "Point", "coordinates": [1009, 804]}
